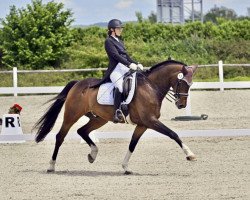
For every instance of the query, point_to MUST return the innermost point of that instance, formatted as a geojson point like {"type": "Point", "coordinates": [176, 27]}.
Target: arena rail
{"type": "Point", "coordinates": [15, 90]}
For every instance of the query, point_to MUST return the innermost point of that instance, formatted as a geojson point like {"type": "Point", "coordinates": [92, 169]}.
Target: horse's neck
{"type": "Point", "coordinates": [160, 79]}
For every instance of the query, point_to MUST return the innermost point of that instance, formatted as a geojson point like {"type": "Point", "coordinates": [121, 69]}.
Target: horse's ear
{"type": "Point", "coordinates": [194, 67]}
{"type": "Point", "coordinates": [184, 70]}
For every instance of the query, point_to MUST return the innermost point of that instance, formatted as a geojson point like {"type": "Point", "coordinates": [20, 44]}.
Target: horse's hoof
{"type": "Point", "coordinates": [128, 172]}
{"type": "Point", "coordinates": [90, 158]}
{"type": "Point", "coordinates": [191, 158]}
{"type": "Point", "coordinates": [50, 170]}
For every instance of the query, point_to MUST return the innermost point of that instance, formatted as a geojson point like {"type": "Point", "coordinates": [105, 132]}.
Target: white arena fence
{"type": "Point", "coordinates": [15, 90]}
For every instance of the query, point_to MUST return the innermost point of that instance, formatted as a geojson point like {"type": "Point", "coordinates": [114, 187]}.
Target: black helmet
{"type": "Point", "coordinates": [115, 23]}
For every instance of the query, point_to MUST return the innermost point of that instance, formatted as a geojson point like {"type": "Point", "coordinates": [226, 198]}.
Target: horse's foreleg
{"type": "Point", "coordinates": [139, 130]}
{"type": "Point", "coordinates": [93, 124]}
{"type": "Point", "coordinates": [161, 128]}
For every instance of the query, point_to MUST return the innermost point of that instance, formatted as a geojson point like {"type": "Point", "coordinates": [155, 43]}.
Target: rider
{"type": "Point", "coordinates": [119, 63]}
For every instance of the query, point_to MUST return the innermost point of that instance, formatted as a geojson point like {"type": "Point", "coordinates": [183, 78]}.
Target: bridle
{"type": "Point", "coordinates": [176, 95]}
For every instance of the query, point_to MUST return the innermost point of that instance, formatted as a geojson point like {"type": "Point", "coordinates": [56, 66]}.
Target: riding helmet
{"type": "Point", "coordinates": [115, 23]}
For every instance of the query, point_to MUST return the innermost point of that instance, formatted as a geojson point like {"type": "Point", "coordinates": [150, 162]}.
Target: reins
{"type": "Point", "coordinates": [171, 94]}
{"type": "Point", "coordinates": [155, 86]}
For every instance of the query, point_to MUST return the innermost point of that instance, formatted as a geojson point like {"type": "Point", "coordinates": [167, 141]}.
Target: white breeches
{"type": "Point", "coordinates": [117, 76]}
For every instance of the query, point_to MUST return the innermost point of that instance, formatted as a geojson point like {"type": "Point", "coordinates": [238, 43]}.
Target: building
{"type": "Point", "coordinates": [173, 11]}
{"type": "Point", "coordinates": [170, 11]}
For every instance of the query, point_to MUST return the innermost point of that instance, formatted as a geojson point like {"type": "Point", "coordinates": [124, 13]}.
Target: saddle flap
{"type": "Point", "coordinates": [127, 85]}
{"type": "Point", "coordinates": [105, 91]}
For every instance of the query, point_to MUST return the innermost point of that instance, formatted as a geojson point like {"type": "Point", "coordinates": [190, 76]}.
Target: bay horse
{"type": "Point", "coordinates": [80, 99]}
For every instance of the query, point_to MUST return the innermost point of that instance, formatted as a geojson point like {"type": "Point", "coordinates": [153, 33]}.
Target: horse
{"type": "Point", "coordinates": [80, 98]}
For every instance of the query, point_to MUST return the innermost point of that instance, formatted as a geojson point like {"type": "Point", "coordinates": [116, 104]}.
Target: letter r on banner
{"type": "Point", "coordinates": [9, 121]}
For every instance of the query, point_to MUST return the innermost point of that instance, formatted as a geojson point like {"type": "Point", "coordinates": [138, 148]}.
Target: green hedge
{"type": "Point", "coordinates": [192, 43]}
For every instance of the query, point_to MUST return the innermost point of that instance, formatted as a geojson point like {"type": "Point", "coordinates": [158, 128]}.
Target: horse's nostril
{"type": "Point", "coordinates": [182, 106]}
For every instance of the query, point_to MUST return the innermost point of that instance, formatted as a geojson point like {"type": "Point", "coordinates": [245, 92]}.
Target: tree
{"type": "Point", "coordinates": [152, 17]}
{"type": "Point", "coordinates": [139, 16]}
{"type": "Point", "coordinates": [36, 36]}
{"type": "Point", "coordinates": [196, 16]}
{"type": "Point", "coordinates": [1, 48]}
{"type": "Point", "coordinates": [221, 12]}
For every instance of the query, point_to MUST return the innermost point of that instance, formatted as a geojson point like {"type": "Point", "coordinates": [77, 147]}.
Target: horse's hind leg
{"type": "Point", "coordinates": [59, 140]}
{"type": "Point", "coordinates": [156, 125]}
{"type": "Point", "coordinates": [69, 119]}
{"type": "Point", "coordinates": [93, 124]}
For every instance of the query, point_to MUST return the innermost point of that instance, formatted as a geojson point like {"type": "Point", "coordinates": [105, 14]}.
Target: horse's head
{"type": "Point", "coordinates": [173, 74]}
{"type": "Point", "coordinates": [181, 82]}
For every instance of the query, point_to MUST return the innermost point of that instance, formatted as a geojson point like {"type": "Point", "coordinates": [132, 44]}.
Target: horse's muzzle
{"type": "Point", "coordinates": [180, 105]}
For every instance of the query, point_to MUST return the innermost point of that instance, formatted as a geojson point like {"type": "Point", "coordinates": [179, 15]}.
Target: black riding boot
{"type": "Point", "coordinates": [117, 103]}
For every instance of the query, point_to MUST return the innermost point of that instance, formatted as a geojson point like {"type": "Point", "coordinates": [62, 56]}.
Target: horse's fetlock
{"type": "Point", "coordinates": [125, 166]}
{"type": "Point", "coordinates": [94, 148]}
{"type": "Point", "coordinates": [51, 166]}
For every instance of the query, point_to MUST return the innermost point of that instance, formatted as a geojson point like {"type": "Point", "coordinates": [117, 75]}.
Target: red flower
{"type": "Point", "coordinates": [18, 107]}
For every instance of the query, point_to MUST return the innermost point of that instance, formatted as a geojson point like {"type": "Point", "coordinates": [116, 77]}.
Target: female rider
{"type": "Point", "coordinates": [119, 63]}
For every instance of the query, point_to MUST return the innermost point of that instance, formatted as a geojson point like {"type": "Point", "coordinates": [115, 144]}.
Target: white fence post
{"type": "Point", "coordinates": [15, 81]}
{"type": "Point", "coordinates": [221, 75]}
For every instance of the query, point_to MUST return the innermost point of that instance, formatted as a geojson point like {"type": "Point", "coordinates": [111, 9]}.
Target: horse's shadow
{"type": "Point", "coordinates": [90, 173]}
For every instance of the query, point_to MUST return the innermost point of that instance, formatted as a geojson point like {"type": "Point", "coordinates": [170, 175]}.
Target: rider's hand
{"type": "Point", "coordinates": [140, 66]}
{"type": "Point", "coordinates": [133, 66]}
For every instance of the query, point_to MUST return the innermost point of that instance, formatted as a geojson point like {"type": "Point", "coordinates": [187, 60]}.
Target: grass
{"type": "Point", "coordinates": [45, 79]}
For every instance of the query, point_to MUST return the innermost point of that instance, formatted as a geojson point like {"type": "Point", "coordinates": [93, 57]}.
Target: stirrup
{"type": "Point", "coordinates": [118, 116]}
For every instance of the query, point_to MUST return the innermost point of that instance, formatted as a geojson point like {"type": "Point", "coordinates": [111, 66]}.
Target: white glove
{"type": "Point", "coordinates": [133, 66]}
{"type": "Point", "coordinates": [140, 66]}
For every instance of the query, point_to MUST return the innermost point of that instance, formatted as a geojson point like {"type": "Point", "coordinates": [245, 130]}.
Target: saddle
{"type": "Point", "coordinates": [105, 94]}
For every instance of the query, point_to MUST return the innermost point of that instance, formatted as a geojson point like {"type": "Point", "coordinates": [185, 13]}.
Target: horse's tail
{"type": "Point", "coordinates": [47, 121]}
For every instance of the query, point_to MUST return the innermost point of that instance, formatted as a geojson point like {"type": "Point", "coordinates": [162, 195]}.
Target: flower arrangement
{"type": "Point", "coordinates": [15, 109]}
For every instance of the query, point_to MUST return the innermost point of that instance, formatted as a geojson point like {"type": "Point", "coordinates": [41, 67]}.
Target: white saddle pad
{"type": "Point", "coordinates": [105, 93]}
